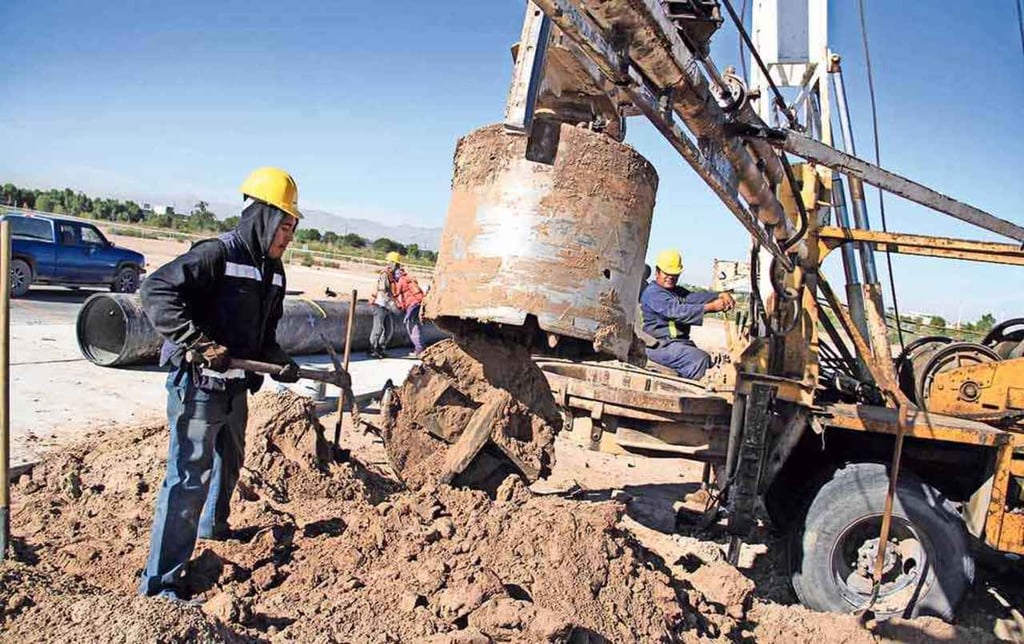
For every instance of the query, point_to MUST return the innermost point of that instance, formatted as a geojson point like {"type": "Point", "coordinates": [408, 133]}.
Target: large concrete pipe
{"type": "Point", "coordinates": [563, 243]}
{"type": "Point", "coordinates": [113, 330]}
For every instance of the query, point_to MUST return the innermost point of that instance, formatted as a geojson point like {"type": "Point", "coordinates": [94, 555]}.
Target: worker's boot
{"type": "Point", "coordinates": [218, 533]}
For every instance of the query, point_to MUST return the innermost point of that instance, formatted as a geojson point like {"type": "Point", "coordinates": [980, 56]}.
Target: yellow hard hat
{"type": "Point", "coordinates": [394, 257]}
{"type": "Point", "coordinates": [275, 187]}
{"type": "Point", "coordinates": [670, 262]}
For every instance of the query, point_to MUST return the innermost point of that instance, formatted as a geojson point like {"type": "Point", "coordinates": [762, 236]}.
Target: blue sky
{"type": "Point", "coordinates": [363, 102]}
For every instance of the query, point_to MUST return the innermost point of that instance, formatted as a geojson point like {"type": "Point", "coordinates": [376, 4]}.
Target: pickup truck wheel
{"type": "Point", "coordinates": [21, 277]}
{"type": "Point", "coordinates": [126, 280]}
{"type": "Point", "coordinates": [927, 566]}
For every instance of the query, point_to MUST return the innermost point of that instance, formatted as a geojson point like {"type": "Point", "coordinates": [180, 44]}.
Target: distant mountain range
{"type": "Point", "coordinates": [425, 238]}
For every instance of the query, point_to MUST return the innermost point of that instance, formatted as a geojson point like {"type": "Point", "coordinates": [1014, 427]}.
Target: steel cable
{"type": "Point", "coordinates": [878, 162]}
{"type": "Point", "coordinates": [1020, 24]}
{"type": "Point", "coordinates": [743, 57]}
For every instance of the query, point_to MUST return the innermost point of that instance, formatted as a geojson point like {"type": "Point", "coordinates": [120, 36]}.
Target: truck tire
{"type": "Point", "coordinates": [126, 280]}
{"type": "Point", "coordinates": [21, 277]}
{"type": "Point", "coordinates": [928, 566]}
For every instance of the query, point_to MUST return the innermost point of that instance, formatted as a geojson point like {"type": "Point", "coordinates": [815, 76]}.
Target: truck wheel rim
{"type": "Point", "coordinates": [127, 281]}
{"type": "Point", "coordinates": [904, 572]}
{"type": "Point", "coordinates": [18, 278]}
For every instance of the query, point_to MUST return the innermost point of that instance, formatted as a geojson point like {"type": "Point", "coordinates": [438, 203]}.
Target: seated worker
{"type": "Point", "coordinates": [668, 313]}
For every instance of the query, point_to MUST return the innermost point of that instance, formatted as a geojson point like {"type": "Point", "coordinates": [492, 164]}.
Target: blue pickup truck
{"type": "Point", "coordinates": [68, 252]}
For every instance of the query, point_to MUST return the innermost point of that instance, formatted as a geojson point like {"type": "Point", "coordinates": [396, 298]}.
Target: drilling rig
{"type": "Point", "coordinates": [885, 472]}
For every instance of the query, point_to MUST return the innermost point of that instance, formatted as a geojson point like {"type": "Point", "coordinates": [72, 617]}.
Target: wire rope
{"type": "Point", "coordinates": [878, 162]}
{"type": "Point", "coordinates": [743, 56]}
{"type": "Point", "coordinates": [1020, 24]}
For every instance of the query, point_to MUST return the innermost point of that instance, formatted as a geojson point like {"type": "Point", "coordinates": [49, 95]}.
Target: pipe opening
{"type": "Point", "coordinates": [102, 331]}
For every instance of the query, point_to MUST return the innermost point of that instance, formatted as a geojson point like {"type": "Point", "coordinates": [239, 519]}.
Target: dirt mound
{"type": "Point", "coordinates": [332, 551]}
{"type": "Point", "coordinates": [465, 382]}
{"type": "Point", "coordinates": [322, 550]}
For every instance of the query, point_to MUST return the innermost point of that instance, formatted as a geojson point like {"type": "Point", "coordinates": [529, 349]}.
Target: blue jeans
{"type": "Point", "coordinates": [413, 326]}
{"type": "Point", "coordinates": [688, 360]}
{"type": "Point", "coordinates": [207, 447]}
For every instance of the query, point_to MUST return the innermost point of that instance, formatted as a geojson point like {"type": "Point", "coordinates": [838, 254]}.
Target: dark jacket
{"type": "Point", "coordinates": [226, 289]}
{"type": "Point", "coordinates": [669, 313]}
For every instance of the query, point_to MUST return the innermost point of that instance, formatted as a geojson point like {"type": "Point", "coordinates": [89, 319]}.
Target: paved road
{"type": "Point", "coordinates": [49, 305]}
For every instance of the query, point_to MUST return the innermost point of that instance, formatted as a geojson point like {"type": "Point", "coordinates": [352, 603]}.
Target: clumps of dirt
{"type": "Point", "coordinates": [460, 378]}
{"type": "Point", "coordinates": [37, 606]}
{"type": "Point", "coordinates": [323, 550]}
{"type": "Point", "coordinates": [776, 624]}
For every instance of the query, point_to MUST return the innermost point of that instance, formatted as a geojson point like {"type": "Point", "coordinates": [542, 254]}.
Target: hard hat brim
{"type": "Point", "coordinates": [291, 211]}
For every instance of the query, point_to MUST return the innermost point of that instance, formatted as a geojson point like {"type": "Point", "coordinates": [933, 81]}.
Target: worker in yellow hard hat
{"type": "Point", "coordinates": [669, 310]}
{"type": "Point", "coordinates": [220, 300]}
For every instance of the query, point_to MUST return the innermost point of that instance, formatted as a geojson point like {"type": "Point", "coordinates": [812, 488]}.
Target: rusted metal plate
{"type": "Point", "coordinates": [564, 243]}
{"type": "Point", "coordinates": [868, 418]}
{"type": "Point", "coordinates": [632, 389]}
{"type": "Point", "coordinates": [1011, 534]}
{"type": "Point", "coordinates": [701, 450]}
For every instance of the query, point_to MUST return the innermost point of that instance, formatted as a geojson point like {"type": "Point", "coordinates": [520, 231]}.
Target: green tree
{"type": "Point", "coordinates": [385, 245]}
{"type": "Point", "coordinates": [306, 235]}
{"type": "Point", "coordinates": [985, 322]}
{"type": "Point", "coordinates": [201, 218]}
{"type": "Point", "coordinates": [938, 320]}
{"type": "Point", "coordinates": [26, 198]}
{"type": "Point", "coordinates": [229, 224]}
{"type": "Point", "coordinates": [45, 203]}
{"type": "Point", "coordinates": [413, 250]}
{"type": "Point", "coordinates": [134, 211]}
{"type": "Point", "coordinates": [353, 240]}
{"type": "Point", "coordinates": [330, 238]}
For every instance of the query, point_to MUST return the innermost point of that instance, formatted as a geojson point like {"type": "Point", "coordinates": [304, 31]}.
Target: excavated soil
{"type": "Point", "coordinates": [438, 400]}
{"type": "Point", "coordinates": [327, 551]}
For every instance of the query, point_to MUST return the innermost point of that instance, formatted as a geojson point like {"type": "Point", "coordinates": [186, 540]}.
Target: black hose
{"type": "Point", "coordinates": [801, 209]}
{"type": "Point", "coordinates": [758, 310]}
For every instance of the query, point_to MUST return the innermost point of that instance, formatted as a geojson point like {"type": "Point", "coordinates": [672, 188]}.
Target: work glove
{"type": "Point", "coordinates": [289, 370]}
{"type": "Point", "coordinates": [289, 373]}
{"type": "Point", "coordinates": [207, 353]}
